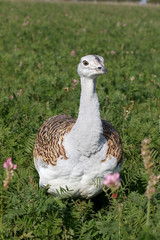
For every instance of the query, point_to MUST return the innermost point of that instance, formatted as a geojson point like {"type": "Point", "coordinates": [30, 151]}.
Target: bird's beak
{"type": "Point", "coordinates": [104, 70]}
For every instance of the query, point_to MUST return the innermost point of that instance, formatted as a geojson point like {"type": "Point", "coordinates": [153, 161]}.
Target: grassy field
{"type": "Point", "coordinates": [37, 71]}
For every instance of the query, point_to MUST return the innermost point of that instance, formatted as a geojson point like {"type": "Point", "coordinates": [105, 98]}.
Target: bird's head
{"type": "Point", "coordinates": [91, 66]}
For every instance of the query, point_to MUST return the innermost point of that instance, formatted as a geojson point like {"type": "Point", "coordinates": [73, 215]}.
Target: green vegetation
{"type": "Point", "coordinates": [36, 40]}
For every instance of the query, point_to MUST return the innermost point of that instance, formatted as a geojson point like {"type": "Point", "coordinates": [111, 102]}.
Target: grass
{"type": "Point", "coordinates": [36, 40]}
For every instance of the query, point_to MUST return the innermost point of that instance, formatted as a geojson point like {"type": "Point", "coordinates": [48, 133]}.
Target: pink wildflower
{"type": "Point", "coordinates": [124, 25]}
{"type": "Point", "coordinates": [26, 23]}
{"type": "Point", "coordinates": [113, 52]}
{"type": "Point", "coordinates": [112, 181]}
{"type": "Point", "coordinates": [11, 96]}
{"type": "Point", "coordinates": [73, 53]}
{"type": "Point", "coordinates": [114, 195]}
{"type": "Point", "coordinates": [9, 165]}
{"type": "Point", "coordinates": [132, 78]}
{"type": "Point", "coordinates": [151, 190]}
{"type": "Point", "coordinates": [75, 82]}
{"type": "Point", "coordinates": [20, 91]}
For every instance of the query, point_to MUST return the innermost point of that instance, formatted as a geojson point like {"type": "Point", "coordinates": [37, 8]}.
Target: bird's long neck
{"type": "Point", "coordinates": [89, 115]}
{"type": "Point", "coordinates": [86, 135]}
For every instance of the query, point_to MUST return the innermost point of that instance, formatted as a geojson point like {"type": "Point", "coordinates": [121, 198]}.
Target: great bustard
{"type": "Point", "coordinates": [74, 153]}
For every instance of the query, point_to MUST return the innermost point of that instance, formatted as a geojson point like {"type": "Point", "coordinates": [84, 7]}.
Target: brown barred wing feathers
{"type": "Point", "coordinates": [49, 140]}
{"type": "Point", "coordinates": [113, 141]}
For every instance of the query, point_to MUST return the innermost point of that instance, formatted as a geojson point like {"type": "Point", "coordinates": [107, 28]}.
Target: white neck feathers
{"type": "Point", "coordinates": [89, 119]}
{"type": "Point", "coordinates": [86, 137]}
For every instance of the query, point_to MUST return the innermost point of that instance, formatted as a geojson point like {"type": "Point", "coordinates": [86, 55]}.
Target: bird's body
{"type": "Point", "coordinates": [78, 153]}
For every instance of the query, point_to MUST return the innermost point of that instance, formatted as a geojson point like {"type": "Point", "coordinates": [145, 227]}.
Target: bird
{"type": "Point", "coordinates": [75, 155]}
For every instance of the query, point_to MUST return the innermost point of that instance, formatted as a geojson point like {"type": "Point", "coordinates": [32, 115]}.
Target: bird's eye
{"type": "Point", "coordinates": [85, 63]}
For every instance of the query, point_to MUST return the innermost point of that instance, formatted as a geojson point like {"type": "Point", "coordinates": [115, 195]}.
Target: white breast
{"type": "Point", "coordinates": [78, 175]}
